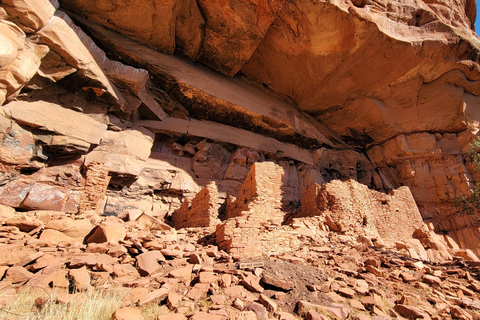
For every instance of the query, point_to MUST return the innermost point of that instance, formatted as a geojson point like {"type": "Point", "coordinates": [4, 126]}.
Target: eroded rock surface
{"type": "Point", "coordinates": [174, 96]}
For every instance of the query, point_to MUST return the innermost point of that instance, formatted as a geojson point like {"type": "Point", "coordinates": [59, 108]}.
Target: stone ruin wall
{"type": "Point", "coordinates": [202, 211]}
{"type": "Point", "coordinates": [176, 172]}
{"type": "Point", "coordinates": [352, 208]}
{"type": "Point", "coordinates": [66, 104]}
{"type": "Point", "coordinates": [347, 208]}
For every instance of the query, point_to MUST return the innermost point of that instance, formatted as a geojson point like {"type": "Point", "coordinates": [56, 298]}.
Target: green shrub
{"type": "Point", "coordinates": [470, 204]}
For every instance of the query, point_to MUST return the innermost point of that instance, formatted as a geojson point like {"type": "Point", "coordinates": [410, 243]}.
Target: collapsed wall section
{"type": "Point", "coordinates": [202, 211]}
{"type": "Point", "coordinates": [352, 208]}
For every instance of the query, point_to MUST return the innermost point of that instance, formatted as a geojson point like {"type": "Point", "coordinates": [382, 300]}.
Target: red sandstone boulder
{"type": "Point", "coordinates": [80, 278]}
{"type": "Point", "coordinates": [128, 313]}
{"type": "Point", "coordinates": [147, 262]}
{"type": "Point", "coordinates": [107, 232]}
{"type": "Point", "coordinates": [70, 227]}
{"type": "Point", "coordinates": [54, 236]}
{"type": "Point", "coordinates": [17, 275]}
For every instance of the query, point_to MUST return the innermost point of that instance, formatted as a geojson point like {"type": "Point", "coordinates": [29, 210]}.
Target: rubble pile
{"type": "Point", "coordinates": [329, 276]}
{"type": "Point", "coordinates": [252, 264]}
{"type": "Point", "coordinates": [241, 159]}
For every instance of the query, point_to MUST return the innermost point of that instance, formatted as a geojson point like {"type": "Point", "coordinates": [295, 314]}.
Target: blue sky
{"type": "Point", "coordinates": [477, 22]}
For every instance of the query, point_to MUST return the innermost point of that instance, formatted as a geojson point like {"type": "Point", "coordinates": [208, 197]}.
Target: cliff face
{"type": "Point", "coordinates": [169, 95]}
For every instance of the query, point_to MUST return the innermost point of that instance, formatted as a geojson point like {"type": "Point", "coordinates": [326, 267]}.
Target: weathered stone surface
{"type": "Point", "coordinates": [128, 313]}
{"type": "Point", "coordinates": [154, 296]}
{"type": "Point", "coordinates": [311, 29]}
{"type": "Point", "coordinates": [72, 228]}
{"type": "Point", "coordinates": [198, 87]}
{"type": "Point", "coordinates": [46, 197]}
{"type": "Point", "coordinates": [223, 31]}
{"type": "Point", "coordinates": [54, 237]}
{"type": "Point", "coordinates": [154, 22]}
{"type": "Point", "coordinates": [124, 152]}
{"type": "Point", "coordinates": [411, 312]}
{"type": "Point", "coordinates": [189, 29]}
{"type": "Point", "coordinates": [351, 207]}
{"type": "Point", "coordinates": [399, 85]}
{"type": "Point", "coordinates": [278, 283]}
{"type": "Point", "coordinates": [223, 133]}
{"type": "Point", "coordinates": [80, 278]}
{"type": "Point", "coordinates": [53, 117]}
{"type": "Point", "coordinates": [80, 52]}
{"type": "Point", "coordinates": [17, 144]}
{"type": "Point", "coordinates": [26, 224]}
{"type": "Point", "coordinates": [260, 311]}
{"type": "Point", "coordinates": [31, 15]}
{"type": "Point", "coordinates": [108, 231]}
{"type": "Point", "coordinates": [15, 75]}
{"type": "Point", "coordinates": [124, 270]}
{"type": "Point", "coordinates": [6, 212]}
{"type": "Point", "coordinates": [147, 262]}
{"type": "Point", "coordinates": [13, 40]}
{"type": "Point", "coordinates": [202, 211]}
{"type": "Point", "coordinates": [17, 275]}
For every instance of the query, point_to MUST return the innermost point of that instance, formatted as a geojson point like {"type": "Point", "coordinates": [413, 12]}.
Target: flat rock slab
{"type": "Point", "coordinates": [55, 118]}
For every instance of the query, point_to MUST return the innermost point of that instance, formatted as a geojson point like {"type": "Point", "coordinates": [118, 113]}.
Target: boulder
{"type": "Point", "coordinates": [147, 262]}
{"type": "Point", "coordinates": [72, 228]}
{"type": "Point", "coordinates": [12, 194]}
{"type": "Point", "coordinates": [54, 236]}
{"type": "Point", "coordinates": [55, 118]}
{"type": "Point", "coordinates": [125, 152]}
{"type": "Point", "coordinates": [30, 15]}
{"type": "Point", "coordinates": [6, 212]}
{"type": "Point", "coordinates": [80, 278]}
{"type": "Point", "coordinates": [107, 232]}
{"type": "Point", "coordinates": [47, 197]}
{"type": "Point", "coordinates": [24, 223]}
{"type": "Point", "coordinates": [17, 275]}
{"type": "Point", "coordinates": [124, 270]}
{"type": "Point", "coordinates": [128, 313]}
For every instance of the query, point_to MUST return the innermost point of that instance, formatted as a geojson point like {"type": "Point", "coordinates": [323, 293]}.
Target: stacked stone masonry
{"type": "Point", "coordinates": [351, 207]}
{"type": "Point", "coordinates": [202, 211]}
{"type": "Point", "coordinates": [96, 183]}
{"type": "Point", "coordinates": [64, 104]}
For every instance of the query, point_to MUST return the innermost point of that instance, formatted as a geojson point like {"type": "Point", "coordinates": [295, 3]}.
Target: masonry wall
{"type": "Point", "coordinates": [353, 208]}
{"type": "Point", "coordinates": [202, 211]}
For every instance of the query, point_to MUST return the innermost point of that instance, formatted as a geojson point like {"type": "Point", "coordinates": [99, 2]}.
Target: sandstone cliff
{"type": "Point", "coordinates": [110, 106]}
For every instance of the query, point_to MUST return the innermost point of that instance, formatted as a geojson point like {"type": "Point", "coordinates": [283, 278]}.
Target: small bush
{"type": "Point", "coordinates": [469, 204]}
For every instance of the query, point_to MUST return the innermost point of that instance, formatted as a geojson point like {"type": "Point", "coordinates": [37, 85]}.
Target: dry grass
{"type": "Point", "coordinates": [95, 306]}
{"type": "Point", "coordinates": [151, 311]}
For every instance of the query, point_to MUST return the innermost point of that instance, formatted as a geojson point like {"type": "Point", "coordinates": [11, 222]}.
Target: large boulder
{"type": "Point", "coordinates": [108, 231]}
{"type": "Point", "coordinates": [123, 152]}
{"type": "Point", "coordinates": [53, 117]}
{"type": "Point", "coordinates": [30, 15]}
